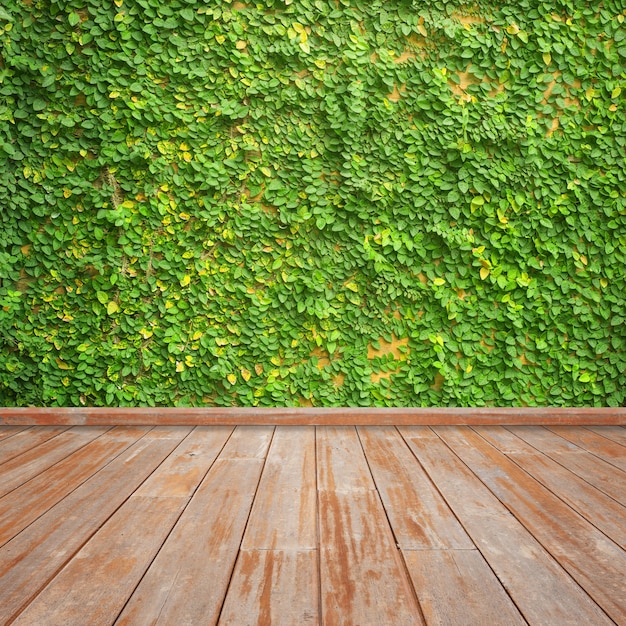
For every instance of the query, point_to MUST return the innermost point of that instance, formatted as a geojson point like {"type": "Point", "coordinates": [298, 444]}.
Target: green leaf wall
{"type": "Point", "coordinates": [398, 203]}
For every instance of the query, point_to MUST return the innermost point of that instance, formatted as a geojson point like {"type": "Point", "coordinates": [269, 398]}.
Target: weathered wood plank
{"type": "Point", "coordinates": [610, 451]}
{"type": "Point", "coordinates": [284, 514]}
{"type": "Point", "coordinates": [32, 558]}
{"type": "Point", "coordinates": [21, 507]}
{"type": "Point", "coordinates": [592, 559]}
{"type": "Point", "coordinates": [181, 473]}
{"type": "Point", "coordinates": [596, 507]}
{"type": "Point", "coordinates": [9, 431]}
{"type": "Point", "coordinates": [27, 439]}
{"type": "Point", "coordinates": [419, 516]}
{"type": "Point", "coordinates": [341, 464]}
{"type": "Point", "coordinates": [248, 442]}
{"type": "Point", "coordinates": [615, 433]}
{"type": "Point", "coordinates": [228, 416]}
{"type": "Point", "coordinates": [187, 581]}
{"type": "Point", "coordinates": [95, 584]}
{"type": "Point", "coordinates": [363, 579]}
{"type": "Point", "coordinates": [597, 472]}
{"type": "Point", "coordinates": [273, 587]}
{"type": "Point", "coordinates": [540, 588]}
{"type": "Point", "coordinates": [29, 464]}
{"type": "Point", "coordinates": [458, 587]}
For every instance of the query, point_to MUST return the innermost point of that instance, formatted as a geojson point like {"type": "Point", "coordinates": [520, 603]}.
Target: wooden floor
{"type": "Point", "coordinates": [375, 525]}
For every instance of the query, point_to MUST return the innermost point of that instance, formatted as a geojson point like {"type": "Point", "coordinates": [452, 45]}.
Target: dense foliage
{"type": "Point", "coordinates": [327, 202]}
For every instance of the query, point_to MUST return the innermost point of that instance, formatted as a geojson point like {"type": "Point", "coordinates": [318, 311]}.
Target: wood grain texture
{"type": "Point", "coordinates": [341, 464]}
{"type": "Point", "coordinates": [273, 587]}
{"type": "Point", "coordinates": [419, 516]}
{"type": "Point", "coordinates": [611, 451]}
{"type": "Point", "coordinates": [33, 462]}
{"type": "Point", "coordinates": [26, 440]}
{"type": "Point", "coordinates": [596, 507]}
{"type": "Point", "coordinates": [23, 506]}
{"type": "Point", "coordinates": [96, 583]}
{"type": "Point", "coordinates": [458, 587]}
{"type": "Point", "coordinates": [363, 579]}
{"type": "Point", "coordinates": [284, 515]}
{"type": "Point", "coordinates": [34, 556]}
{"type": "Point", "coordinates": [311, 416]}
{"type": "Point", "coordinates": [181, 473]}
{"type": "Point", "coordinates": [187, 581]}
{"type": "Point", "coordinates": [9, 431]}
{"type": "Point", "coordinates": [540, 588]}
{"type": "Point", "coordinates": [597, 472]}
{"type": "Point", "coordinates": [592, 559]}
{"type": "Point", "coordinates": [614, 433]}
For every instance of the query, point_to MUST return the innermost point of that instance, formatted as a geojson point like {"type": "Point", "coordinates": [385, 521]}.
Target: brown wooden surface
{"type": "Point", "coordinates": [303, 416]}
{"type": "Point", "coordinates": [313, 525]}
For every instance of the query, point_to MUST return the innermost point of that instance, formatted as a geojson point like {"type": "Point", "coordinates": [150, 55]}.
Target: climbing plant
{"type": "Point", "coordinates": [317, 202]}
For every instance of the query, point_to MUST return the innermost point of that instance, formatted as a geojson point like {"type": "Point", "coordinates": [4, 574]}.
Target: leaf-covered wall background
{"type": "Point", "coordinates": [317, 202]}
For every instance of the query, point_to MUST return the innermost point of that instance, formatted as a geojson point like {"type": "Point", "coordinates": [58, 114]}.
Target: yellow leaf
{"type": "Point", "coordinates": [298, 27]}
{"type": "Point", "coordinates": [266, 171]}
{"type": "Point", "coordinates": [220, 39]}
{"type": "Point", "coordinates": [304, 45]}
{"type": "Point", "coordinates": [221, 341]}
{"type": "Point", "coordinates": [422, 30]}
{"type": "Point", "coordinates": [180, 366]}
{"type": "Point", "coordinates": [231, 378]}
{"type": "Point", "coordinates": [258, 368]}
{"type": "Point", "coordinates": [145, 333]}
{"type": "Point", "coordinates": [604, 282]}
{"type": "Point", "coordinates": [63, 365]}
{"type": "Point", "coordinates": [245, 374]}
{"type": "Point", "coordinates": [67, 193]}
{"type": "Point", "coordinates": [590, 93]}
{"type": "Point", "coordinates": [352, 286]}
{"type": "Point", "coordinates": [114, 94]}
{"type": "Point", "coordinates": [240, 45]}
{"type": "Point", "coordinates": [484, 272]}
{"type": "Point", "coordinates": [320, 63]}
{"type": "Point", "coordinates": [189, 360]}
{"type": "Point", "coordinates": [112, 307]}
{"type": "Point", "coordinates": [547, 58]}
{"type": "Point", "coordinates": [439, 281]}
{"type": "Point", "coordinates": [613, 107]}
{"type": "Point", "coordinates": [185, 280]}
{"type": "Point", "coordinates": [616, 92]}
{"type": "Point", "coordinates": [469, 368]}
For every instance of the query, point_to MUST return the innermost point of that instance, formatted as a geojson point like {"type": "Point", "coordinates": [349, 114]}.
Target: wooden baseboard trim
{"type": "Point", "coordinates": [352, 416]}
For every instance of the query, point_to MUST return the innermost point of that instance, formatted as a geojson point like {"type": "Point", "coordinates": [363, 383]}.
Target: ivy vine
{"type": "Point", "coordinates": [317, 202]}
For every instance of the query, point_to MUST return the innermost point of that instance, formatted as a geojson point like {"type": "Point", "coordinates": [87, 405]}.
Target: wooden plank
{"type": "Point", "coordinates": [341, 464]}
{"type": "Point", "coordinates": [248, 442]}
{"type": "Point", "coordinates": [229, 416]}
{"type": "Point", "coordinates": [458, 587]}
{"type": "Point", "coordinates": [23, 506]}
{"type": "Point", "coordinates": [363, 579]}
{"type": "Point", "coordinates": [540, 588]}
{"type": "Point", "coordinates": [284, 515]}
{"type": "Point", "coordinates": [615, 433]}
{"type": "Point", "coordinates": [592, 559]}
{"type": "Point", "coordinates": [25, 466]}
{"type": "Point", "coordinates": [27, 439]}
{"type": "Point", "coordinates": [596, 507]}
{"type": "Point", "coordinates": [610, 451]}
{"type": "Point", "coordinates": [273, 587]}
{"type": "Point", "coordinates": [33, 557]}
{"type": "Point", "coordinates": [187, 581]}
{"type": "Point", "coordinates": [602, 475]}
{"type": "Point", "coordinates": [9, 431]}
{"type": "Point", "coordinates": [95, 584]}
{"type": "Point", "coordinates": [181, 473]}
{"type": "Point", "coordinates": [419, 516]}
